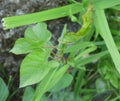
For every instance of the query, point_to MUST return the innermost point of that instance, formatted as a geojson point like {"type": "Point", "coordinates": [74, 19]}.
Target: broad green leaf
{"type": "Point", "coordinates": [38, 32]}
{"type": "Point", "coordinates": [3, 90]}
{"type": "Point", "coordinates": [49, 81]}
{"type": "Point", "coordinates": [53, 63]}
{"type": "Point", "coordinates": [35, 38]}
{"type": "Point", "coordinates": [102, 27]}
{"type": "Point", "coordinates": [28, 93]}
{"type": "Point", "coordinates": [34, 67]}
{"type": "Point", "coordinates": [64, 82]}
{"type": "Point", "coordinates": [23, 46]}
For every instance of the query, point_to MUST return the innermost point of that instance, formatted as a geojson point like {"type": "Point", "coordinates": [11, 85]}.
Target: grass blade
{"type": "Point", "coordinates": [49, 81]}
{"type": "Point", "coordinates": [103, 4]}
{"type": "Point", "coordinates": [15, 21]}
{"type": "Point", "coordinates": [92, 58]}
{"type": "Point", "coordinates": [103, 28]}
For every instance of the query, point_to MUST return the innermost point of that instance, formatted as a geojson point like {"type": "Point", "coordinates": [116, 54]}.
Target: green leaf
{"type": "Point", "coordinates": [23, 46]}
{"type": "Point", "coordinates": [91, 58]}
{"type": "Point", "coordinates": [79, 82]}
{"type": "Point", "coordinates": [65, 81]}
{"type": "Point", "coordinates": [103, 4]}
{"type": "Point", "coordinates": [38, 32]}
{"type": "Point", "coordinates": [75, 48]}
{"type": "Point", "coordinates": [28, 93]}
{"type": "Point", "coordinates": [15, 21]}
{"type": "Point", "coordinates": [114, 81]}
{"type": "Point", "coordinates": [116, 7]}
{"type": "Point", "coordinates": [100, 20]}
{"type": "Point", "coordinates": [34, 67]}
{"type": "Point", "coordinates": [78, 46]}
{"type": "Point", "coordinates": [35, 38]}
{"type": "Point", "coordinates": [53, 63]}
{"type": "Point", "coordinates": [49, 81]}
{"type": "Point", "coordinates": [85, 52]}
{"type": "Point", "coordinates": [3, 90]}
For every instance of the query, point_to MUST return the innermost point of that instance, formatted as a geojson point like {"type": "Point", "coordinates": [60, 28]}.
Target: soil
{"type": "Point", "coordinates": [10, 63]}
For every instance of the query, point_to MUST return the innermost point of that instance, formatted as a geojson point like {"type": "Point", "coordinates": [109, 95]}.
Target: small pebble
{"type": "Point", "coordinates": [15, 1]}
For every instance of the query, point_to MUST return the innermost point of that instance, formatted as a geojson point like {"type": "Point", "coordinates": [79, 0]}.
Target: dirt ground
{"type": "Point", "coordinates": [10, 63]}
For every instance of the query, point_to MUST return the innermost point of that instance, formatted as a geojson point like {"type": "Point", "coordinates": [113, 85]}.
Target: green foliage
{"type": "Point", "coordinates": [64, 82]}
{"type": "Point", "coordinates": [28, 93]}
{"type": "Point", "coordinates": [82, 57]}
{"type": "Point", "coordinates": [64, 96]}
{"type": "Point", "coordinates": [106, 34]}
{"type": "Point", "coordinates": [106, 68]}
{"type": "Point", "coordinates": [34, 67]}
{"type": "Point", "coordinates": [3, 90]}
{"type": "Point", "coordinates": [49, 81]}
{"type": "Point", "coordinates": [35, 38]}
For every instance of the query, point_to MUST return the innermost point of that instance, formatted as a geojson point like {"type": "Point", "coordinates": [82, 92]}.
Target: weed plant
{"type": "Point", "coordinates": [86, 66]}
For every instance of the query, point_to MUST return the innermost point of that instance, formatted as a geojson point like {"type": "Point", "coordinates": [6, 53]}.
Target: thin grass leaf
{"type": "Point", "coordinates": [77, 46]}
{"type": "Point", "coordinates": [92, 58]}
{"type": "Point", "coordinates": [103, 28]}
{"type": "Point", "coordinates": [43, 86]}
{"type": "Point", "coordinates": [116, 7]}
{"type": "Point", "coordinates": [87, 51]}
{"type": "Point", "coordinates": [15, 21]}
{"type": "Point", "coordinates": [103, 4]}
{"type": "Point", "coordinates": [3, 90]}
{"type": "Point", "coordinates": [116, 98]}
{"type": "Point", "coordinates": [49, 81]}
{"type": "Point", "coordinates": [64, 82]}
{"type": "Point", "coordinates": [78, 83]}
